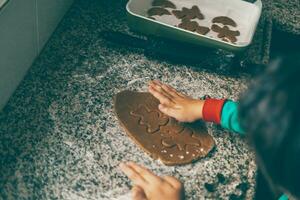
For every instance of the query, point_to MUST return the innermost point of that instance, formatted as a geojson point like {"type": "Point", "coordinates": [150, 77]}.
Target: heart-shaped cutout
{"type": "Point", "coordinates": [162, 137]}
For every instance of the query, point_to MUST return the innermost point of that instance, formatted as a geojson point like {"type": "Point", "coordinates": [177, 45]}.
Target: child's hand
{"type": "Point", "coordinates": [148, 186]}
{"type": "Point", "coordinates": [174, 104]}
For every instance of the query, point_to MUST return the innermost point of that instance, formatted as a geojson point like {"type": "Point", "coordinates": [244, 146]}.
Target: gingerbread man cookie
{"type": "Point", "coordinates": [225, 33]}
{"type": "Point", "coordinates": [203, 30]}
{"type": "Point", "coordinates": [186, 13]}
{"type": "Point", "coordinates": [193, 26]}
{"type": "Point", "coordinates": [188, 25]}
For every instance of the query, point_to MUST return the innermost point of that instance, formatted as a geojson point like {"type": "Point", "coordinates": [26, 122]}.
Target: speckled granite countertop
{"type": "Point", "coordinates": [286, 16]}
{"type": "Point", "coordinates": [59, 137]}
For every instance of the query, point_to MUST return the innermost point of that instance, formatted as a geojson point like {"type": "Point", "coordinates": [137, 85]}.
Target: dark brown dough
{"type": "Point", "coordinates": [225, 33]}
{"type": "Point", "coordinates": [186, 13]}
{"type": "Point", "coordinates": [149, 118]}
{"type": "Point", "coordinates": [172, 142]}
{"type": "Point", "coordinates": [163, 3]}
{"type": "Point", "coordinates": [224, 20]}
{"type": "Point", "coordinates": [158, 11]}
{"type": "Point", "coordinates": [193, 26]}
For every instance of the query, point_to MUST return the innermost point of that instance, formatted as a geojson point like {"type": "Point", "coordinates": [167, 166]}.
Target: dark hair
{"type": "Point", "coordinates": [270, 114]}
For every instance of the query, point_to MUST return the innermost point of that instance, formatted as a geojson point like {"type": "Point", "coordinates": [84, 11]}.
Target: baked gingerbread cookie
{"type": "Point", "coordinates": [188, 25]}
{"type": "Point", "coordinates": [224, 20]}
{"type": "Point", "coordinates": [193, 26]}
{"type": "Point", "coordinates": [157, 11]}
{"type": "Point", "coordinates": [160, 136]}
{"type": "Point", "coordinates": [203, 30]}
{"type": "Point", "coordinates": [186, 13]}
{"type": "Point", "coordinates": [164, 4]}
{"type": "Point", "coordinates": [225, 33]}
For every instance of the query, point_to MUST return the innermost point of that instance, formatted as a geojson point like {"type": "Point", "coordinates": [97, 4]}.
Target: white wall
{"type": "Point", "coordinates": [49, 14]}
{"type": "Point", "coordinates": [25, 27]}
{"type": "Point", "coordinates": [18, 44]}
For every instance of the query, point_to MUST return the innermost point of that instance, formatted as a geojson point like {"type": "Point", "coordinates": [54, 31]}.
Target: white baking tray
{"type": "Point", "coordinates": [245, 14]}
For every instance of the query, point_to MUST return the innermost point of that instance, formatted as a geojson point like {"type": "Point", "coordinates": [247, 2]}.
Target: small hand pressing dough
{"type": "Point", "coordinates": [161, 136]}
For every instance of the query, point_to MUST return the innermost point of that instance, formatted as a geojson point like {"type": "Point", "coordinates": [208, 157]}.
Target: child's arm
{"type": "Point", "coordinates": [223, 112]}
{"type": "Point", "coordinates": [149, 186]}
{"type": "Point", "coordinates": [186, 109]}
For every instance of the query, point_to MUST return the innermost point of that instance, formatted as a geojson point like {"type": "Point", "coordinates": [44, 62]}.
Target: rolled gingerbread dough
{"type": "Point", "coordinates": [162, 137]}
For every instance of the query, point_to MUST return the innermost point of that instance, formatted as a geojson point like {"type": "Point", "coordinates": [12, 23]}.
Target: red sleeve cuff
{"type": "Point", "coordinates": [212, 110]}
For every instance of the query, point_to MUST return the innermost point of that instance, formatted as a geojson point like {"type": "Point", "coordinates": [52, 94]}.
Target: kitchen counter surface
{"type": "Point", "coordinates": [59, 136]}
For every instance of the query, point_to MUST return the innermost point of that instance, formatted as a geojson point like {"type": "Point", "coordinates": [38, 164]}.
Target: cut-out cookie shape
{"type": "Point", "coordinates": [193, 26]}
{"type": "Point", "coordinates": [225, 33]}
{"type": "Point", "coordinates": [157, 11]}
{"type": "Point", "coordinates": [181, 140]}
{"type": "Point", "coordinates": [224, 20]}
{"type": "Point", "coordinates": [151, 119]}
{"type": "Point", "coordinates": [174, 143]}
{"type": "Point", "coordinates": [173, 127]}
{"type": "Point", "coordinates": [186, 13]}
{"type": "Point", "coordinates": [163, 3]}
